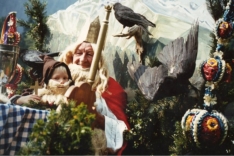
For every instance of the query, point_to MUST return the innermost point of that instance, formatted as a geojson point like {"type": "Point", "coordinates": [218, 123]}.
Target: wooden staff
{"type": "Point", "coordinates": [100, 43]}
{"type": "Point", "coordinates": [82, 92]}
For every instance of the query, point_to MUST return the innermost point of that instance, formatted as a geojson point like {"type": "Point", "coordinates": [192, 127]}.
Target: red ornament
{"type": "Point", "coordinates": [210, 69]}
{"type": "Point", "coordinates": [205, 128]}
{"type": "Point", "coordinates": [210, 131]}
{"type": "Point", "coordinates": [225, 29]}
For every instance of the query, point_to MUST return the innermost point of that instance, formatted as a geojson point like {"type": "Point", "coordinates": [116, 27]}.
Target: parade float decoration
{"type": "Point", "coordinates": [208, 127]}
{"type": "Point", "coordinates": [10, 71]}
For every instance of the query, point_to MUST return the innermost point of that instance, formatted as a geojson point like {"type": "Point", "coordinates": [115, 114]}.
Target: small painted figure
{"type": "Point", "coordinates": [9, 33]}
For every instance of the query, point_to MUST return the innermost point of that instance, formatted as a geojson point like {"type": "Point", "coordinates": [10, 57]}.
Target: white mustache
{"type": "Point", "coordinates": [55, 84]}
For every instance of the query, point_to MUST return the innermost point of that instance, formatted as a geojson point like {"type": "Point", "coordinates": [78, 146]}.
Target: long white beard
{"type": "Point", "coordinates": [79, 74]}
{"type": "Point", "coordinates": [57, 88]}
{"type": "Point", "coordinates": [82, 75]}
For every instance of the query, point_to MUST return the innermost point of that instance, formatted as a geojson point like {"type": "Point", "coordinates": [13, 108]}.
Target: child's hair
{"type": "Point", "coordinates": [60, 68]}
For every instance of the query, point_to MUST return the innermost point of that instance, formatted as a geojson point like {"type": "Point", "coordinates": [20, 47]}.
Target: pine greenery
{"type": "Point", "coordinates": [36, 27]}
{"type": "Point", "coordinates": [65, 133]}
{"type": "Point", "coordinates": [152, 124]}
{"type": "Point", "coordinates": [216, 8]}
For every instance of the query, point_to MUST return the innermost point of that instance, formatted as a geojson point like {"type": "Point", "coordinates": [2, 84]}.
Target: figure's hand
{"type": "Point", "coordinates": [27, 99]}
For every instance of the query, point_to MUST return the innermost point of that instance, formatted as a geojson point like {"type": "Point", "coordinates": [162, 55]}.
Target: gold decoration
{"type": "Point", "coordinates": [36, 87]}
{"type": "Point", "coordinates": [212, 124]}
{"type": "Point", "coordinates": [93, 32]}
{"type": "Point", "coordinates": [100, 46]}
{"type": "Point", "coordinates": [212, 62]}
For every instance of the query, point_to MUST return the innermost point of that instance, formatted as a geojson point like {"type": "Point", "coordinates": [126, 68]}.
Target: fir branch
{"type": "Point", "coordinates": [216, 8]}
{"type": "Point", "coordinates": [67, 133]}
{"type": "Point", "coordinates": [181, 144]}
{"type": "Point", "coordinates": [36, 25]}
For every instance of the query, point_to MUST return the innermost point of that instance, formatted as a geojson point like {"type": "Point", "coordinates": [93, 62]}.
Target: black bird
{"type": "Point", "coordinates": [178, 62]}
{"type": "Point", "coordinates": [128, 18]}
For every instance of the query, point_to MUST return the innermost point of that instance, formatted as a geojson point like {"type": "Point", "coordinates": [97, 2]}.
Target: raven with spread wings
{"type": "Point", "coordinates": [178, 62]}
{"type": "Point", "coordinates": [127, 17]}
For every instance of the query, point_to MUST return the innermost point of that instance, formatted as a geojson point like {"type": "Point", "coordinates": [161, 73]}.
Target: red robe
{"type": "Point", "coordinates": [116, 100]}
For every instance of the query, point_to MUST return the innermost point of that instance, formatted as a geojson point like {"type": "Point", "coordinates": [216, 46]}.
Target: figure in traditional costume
{"type": "Point", "coordinates": [9, 33]}
{"type": "Point", "coordinates": [111, 99]}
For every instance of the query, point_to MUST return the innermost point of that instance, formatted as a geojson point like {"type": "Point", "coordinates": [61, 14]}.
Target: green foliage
{"type": "Point", "coordinates": [152, 124]}
{"type": "Point", "coordinates": [40, 106]}
{"type": "Point", "coordinates": [36, 25]}
{"type": "Point", "coordinates": [216, 7]}
{"type": "Point", "coordinates": [182, 144]}
{"type": "Point", "coordinates": [22, 86]}
{"type": "Point", "coordinates": [225, 94]}
{"type": "Point", "coordinates": [65, 133]}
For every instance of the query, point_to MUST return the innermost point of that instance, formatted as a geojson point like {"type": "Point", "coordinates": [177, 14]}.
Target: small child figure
{"type": "Point", "coordinates": [56, 80]}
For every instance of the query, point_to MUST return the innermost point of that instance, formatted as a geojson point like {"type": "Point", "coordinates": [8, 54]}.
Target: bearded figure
{"type": "Point", "coordinates": [111, 99]}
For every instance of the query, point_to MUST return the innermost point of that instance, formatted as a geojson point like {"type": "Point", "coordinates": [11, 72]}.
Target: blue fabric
{"type": "Point", "coordinates": [16, 123]}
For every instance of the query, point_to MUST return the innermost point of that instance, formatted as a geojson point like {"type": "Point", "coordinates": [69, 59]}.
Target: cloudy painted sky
{"type": "Point", "coordinates": [187, 10]}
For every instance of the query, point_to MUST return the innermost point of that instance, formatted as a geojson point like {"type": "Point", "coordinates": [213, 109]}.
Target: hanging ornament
{"type": "Point", "coordinates": [187, 121]}
{"type": "Point", "coordinates": [205, 128]}
{"type": "Point", "coordinates": [225, 26]}
{"type": "Point", "coordinates": [224, 30]}
{"type": "Point", "coordinates": [213, 69]}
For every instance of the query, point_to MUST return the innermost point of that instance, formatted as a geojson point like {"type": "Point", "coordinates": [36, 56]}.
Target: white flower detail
{"type": "Point", "coordinates": [208, 100]}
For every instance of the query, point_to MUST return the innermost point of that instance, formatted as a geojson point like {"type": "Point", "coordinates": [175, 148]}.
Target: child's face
{"type": "Point", "coordinates": [60, 76]}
